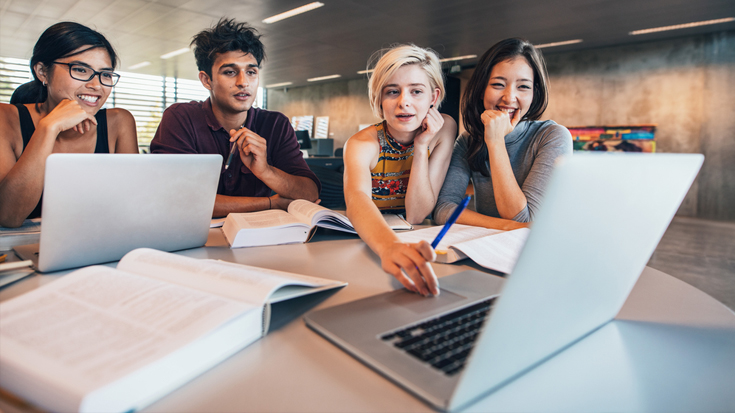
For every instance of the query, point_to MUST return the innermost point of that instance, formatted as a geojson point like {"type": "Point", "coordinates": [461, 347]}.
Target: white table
{"type": "Point", "coordinates": [671, 348]}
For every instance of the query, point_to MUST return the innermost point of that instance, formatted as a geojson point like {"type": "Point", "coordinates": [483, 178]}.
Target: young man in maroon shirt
{"type": "Point", "coordinates": [267, 157]}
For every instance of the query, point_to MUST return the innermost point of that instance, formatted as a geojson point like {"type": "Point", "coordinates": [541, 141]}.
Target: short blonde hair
{"type": "Point", "coordinates": [392, 59]}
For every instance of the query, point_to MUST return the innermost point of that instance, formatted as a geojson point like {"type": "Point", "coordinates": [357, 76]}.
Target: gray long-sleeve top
{"type": "Point", "coordinates": [532, 146]}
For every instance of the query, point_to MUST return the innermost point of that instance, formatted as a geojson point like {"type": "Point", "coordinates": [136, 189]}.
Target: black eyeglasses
{"type": "Point", "coordinates": [85, 74]}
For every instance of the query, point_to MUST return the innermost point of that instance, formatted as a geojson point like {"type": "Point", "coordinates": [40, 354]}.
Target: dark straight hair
{"type": "Point", "coordinates": [57, 42]}
{"type": "Point", "coordinates": [226, 36]}
{"type": "Point", "coordinates": [472, 104]}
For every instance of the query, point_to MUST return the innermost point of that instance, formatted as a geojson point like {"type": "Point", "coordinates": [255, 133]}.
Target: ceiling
{"type": "Point", "coordinates": [339, 37]}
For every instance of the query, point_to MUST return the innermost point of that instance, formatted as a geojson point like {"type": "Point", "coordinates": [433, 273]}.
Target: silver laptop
{"type": "Point", "coordinates": [96, 208]}
{"type": "Point", "coordinates": [600, 221]}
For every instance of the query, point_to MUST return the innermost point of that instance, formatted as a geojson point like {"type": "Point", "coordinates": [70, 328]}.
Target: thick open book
{"type": "Point", "coordinates": [494, 249]}
{"type": "Point", "coordinates": [275, 226]}
{"type": "Point", "coordinates": [115, 340]}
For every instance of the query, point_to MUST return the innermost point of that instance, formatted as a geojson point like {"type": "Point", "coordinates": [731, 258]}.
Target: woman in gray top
{"type": "Point", "coordinates": [506, 151]}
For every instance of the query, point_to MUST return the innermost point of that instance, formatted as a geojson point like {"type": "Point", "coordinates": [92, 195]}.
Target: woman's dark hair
{"type": "Point", "coordinates": [473, 97]}
{"type": "Point", "coordinates": [25, 93]}
{"type": "Point", "coordinates": [226, 36]}
{"type": "Point", "coordinates": [57, 42]}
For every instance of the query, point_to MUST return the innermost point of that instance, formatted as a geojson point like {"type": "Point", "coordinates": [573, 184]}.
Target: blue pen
{"type": "Point", "coordinates": [450, 221]}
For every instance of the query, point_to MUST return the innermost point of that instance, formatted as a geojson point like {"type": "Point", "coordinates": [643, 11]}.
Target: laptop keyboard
{"type": "Point", "coordinates": [444, 342]}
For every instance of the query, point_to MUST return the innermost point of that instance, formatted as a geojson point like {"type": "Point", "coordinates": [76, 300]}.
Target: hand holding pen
{"type": "Point", "coordinates": [253, 150]}
{"type": "Point", "coordinates": [409, 263]}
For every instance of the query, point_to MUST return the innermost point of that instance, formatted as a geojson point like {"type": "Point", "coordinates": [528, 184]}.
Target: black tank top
{"type": "Point", "coordinates": [27, 128]}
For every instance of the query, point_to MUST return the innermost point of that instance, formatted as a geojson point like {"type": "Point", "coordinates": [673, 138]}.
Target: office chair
{"type": "Point", "coordinates": [333, 194]}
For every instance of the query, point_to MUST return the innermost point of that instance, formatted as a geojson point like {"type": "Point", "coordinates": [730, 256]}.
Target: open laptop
{"type": "Point", "coordinates": [96, 208]}
{"type": "Point", "coordinates": [600, 221]}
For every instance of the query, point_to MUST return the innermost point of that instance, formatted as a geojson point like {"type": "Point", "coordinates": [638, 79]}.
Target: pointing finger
{"type": "Point", "coordinates": [418, 269]}
{"type": "Point", "coordinates": [396, 272]}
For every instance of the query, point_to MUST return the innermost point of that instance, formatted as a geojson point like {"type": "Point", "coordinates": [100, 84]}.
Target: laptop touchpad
{"type": "Point", "coordinates": [424, 305]}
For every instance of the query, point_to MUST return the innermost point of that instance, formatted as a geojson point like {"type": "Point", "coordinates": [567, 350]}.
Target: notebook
{"type": "Point", "coordinates": [96, 208]}
{"type": "Point", "coordinates": [600, 221]}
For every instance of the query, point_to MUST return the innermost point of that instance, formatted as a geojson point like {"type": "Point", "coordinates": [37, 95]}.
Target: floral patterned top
{"type": "Point", "coordinates": [391, 173]}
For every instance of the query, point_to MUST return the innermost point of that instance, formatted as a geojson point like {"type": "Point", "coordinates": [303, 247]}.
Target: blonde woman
{"type": "Point", "coordinates": [399, 164]}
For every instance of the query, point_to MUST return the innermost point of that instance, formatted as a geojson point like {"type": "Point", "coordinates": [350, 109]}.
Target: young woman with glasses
{"type": "Point", "coordinates": [59, 111]}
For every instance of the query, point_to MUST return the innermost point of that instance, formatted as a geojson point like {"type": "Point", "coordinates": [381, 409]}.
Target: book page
{"type": "Point", "coordinates": [457, 233]}
{"type": "Point", "coordinates": [315, 214]}
{"type": "Point", "coordinates": [97, 324]}
{"type": "Point", "coordinates": [264, 219]}
{"type": "Point", "coordinates": [497, 252]}
{"type": "Point", "coordinates": [244, 283]}
{"type": "Point", "coordinates": [305, 211]}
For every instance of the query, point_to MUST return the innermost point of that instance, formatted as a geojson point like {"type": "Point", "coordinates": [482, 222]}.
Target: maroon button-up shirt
{"type": "Point", "coordinates": [192, 128]}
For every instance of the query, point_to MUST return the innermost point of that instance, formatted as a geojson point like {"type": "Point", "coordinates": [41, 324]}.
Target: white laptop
{"type": "Point", "coordinates": [600, 221]}
{"type": "Point", "coordinates": [98, 207]}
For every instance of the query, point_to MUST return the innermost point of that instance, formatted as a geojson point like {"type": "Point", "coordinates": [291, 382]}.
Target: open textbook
{"type": "Point", "coordinates": [115, 340]}
{"type": "Point", "coordinates": [275, 226]}
{"type": "Point", "coordinates": [494, 249]}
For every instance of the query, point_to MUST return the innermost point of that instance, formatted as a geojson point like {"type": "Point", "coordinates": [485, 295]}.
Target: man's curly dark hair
{"type": "Point", "coordinates": [226, 36]}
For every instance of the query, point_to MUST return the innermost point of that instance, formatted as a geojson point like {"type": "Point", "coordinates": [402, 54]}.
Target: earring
{"type": "Point", "coordinates": [44, 83]}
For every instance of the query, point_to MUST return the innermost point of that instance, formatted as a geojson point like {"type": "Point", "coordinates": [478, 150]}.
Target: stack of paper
{"type": "Point", "coordinates": [494, 249]}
